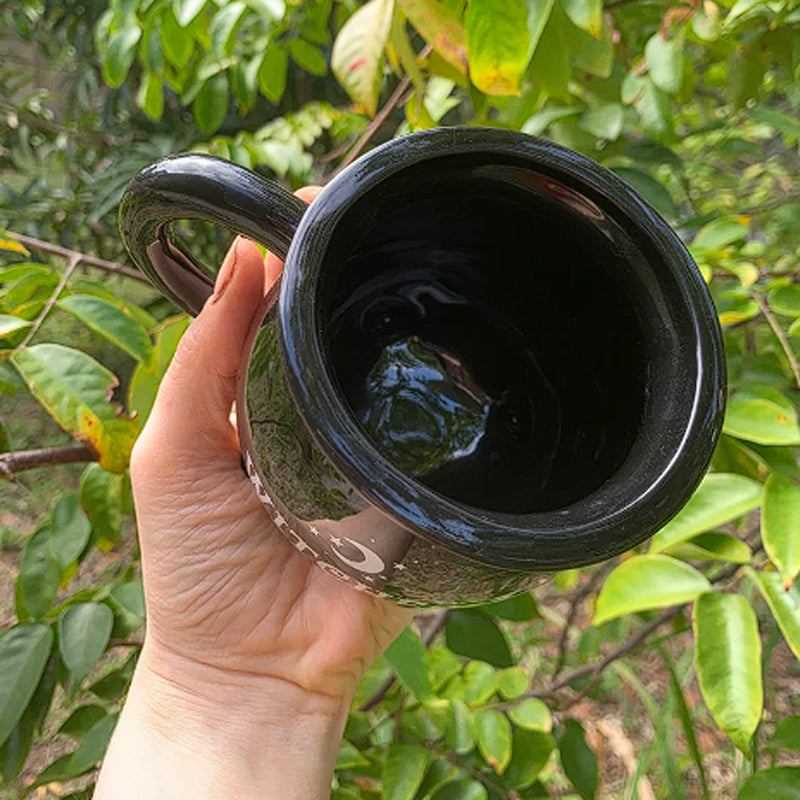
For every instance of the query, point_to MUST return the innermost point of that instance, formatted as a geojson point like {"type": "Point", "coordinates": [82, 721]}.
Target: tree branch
{"type": "Point", "coordinates": [380, 117]}
{"type": "Point", "coordinates": [20, 460]}
{"type": "Point", "coordinates": [80, 258]}
{"type": "Point", "coordinates": [776, 329]}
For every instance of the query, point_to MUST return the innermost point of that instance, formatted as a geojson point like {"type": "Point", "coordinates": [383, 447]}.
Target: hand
{"type": "Point", "coordinates": [239, 622]}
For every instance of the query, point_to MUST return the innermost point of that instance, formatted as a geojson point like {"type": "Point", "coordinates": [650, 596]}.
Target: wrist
{"type": "Point", "coordinates": [198, 732]}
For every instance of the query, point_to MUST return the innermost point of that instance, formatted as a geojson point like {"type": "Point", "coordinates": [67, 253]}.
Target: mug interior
{"type": "Point", "coordinates": [496, 332]}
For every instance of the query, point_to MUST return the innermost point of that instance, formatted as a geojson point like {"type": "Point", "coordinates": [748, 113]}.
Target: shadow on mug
{"type": "Point", "coordinates": [490, 359]}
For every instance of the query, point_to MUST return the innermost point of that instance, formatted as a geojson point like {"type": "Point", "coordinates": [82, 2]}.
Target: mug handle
{"type": "Point", "coordinates": [207, 188]}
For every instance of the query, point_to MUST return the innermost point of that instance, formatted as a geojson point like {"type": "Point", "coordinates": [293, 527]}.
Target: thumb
{"type": "Point", "coordinates": [193, 406]}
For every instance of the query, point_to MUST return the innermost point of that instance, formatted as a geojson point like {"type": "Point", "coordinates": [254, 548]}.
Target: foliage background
{"type": "Point", "coordinates": [671, 672]}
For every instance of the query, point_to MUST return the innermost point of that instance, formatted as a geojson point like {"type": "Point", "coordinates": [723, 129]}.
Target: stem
{"type": "Point", "coordinates": [80, 258]}
{"type": "Point", "coordinates": [380, 117]}
{"type": "Point", "coordinates": [776, 329]}
{"type": "Point", "coordinates": [11, 463]}
{"type": "Point", "coordinates": [51, 301]}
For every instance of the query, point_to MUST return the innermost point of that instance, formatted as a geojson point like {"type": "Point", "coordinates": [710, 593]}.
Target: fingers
{"type": "Point", "coordinates": [193, 406]}
{"type": "Point", "coordinates": [273, 263]}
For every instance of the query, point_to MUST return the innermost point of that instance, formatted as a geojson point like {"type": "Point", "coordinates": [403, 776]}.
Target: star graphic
{"type": "Point", "coordinates": [336, 541]}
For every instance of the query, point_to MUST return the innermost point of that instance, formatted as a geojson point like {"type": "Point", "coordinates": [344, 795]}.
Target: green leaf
{"type": "Point", "coordinates": [130, 597]}
{"type": "Point", "coordinates": [177, 42]}
{"type": "Point", "coordinates": [93, 746]}
{"type": "Point", "coordinates": [147, 375]}
{"type": "Point", "coordinates": [494, 738]}
{"type": "Point", "coordinates": [531, 751]}
{"type": "Point", "coordinates": [461, 789]}
{"type": "Point", "coordinates": [10, 324]}
{"type": "Point", "coordinates": [271, 9]}
{"type": "Point", "coordinates": [720, 498]}
{"type": "Point", "coordinates": [585, 14]}
{"type": "Point", "coordinates": [538, 14]}
{"type": "Point", "coordinates": [151, 100]}
{"type": "Point", "coordinates": [719, 234]}
{"type": "Point", "coordinates": [665, 62]}
{"type": "Point", "coordinates": [272, 72]}
{"type": "Point", "coordinates": [728, 664]}
{"type": "Point", "coordinates": [460, 727]}
{"type": "Point", "coordinates": [40, 573]}
{"type": "Point", "coordinates": [577, 759]}
{"type": "Point", "coordinates": [480, 682]}
{"type": "Point", "coordinates": [550, 65]}
{"type": "Point", "coordinates": [786, 300]}
{"type": "Point", "coordinates": [223, 27]}
{"type": "Point", "coordinates": [404, 770]}
{"type": "Point", "coordinates": [712, 547]}
{"type": "Point", "coordinates": [83, 633]}
{"type": "Point", "coordinates": [74, 388]}
{"type": "Point", "coordinates": [787, 735]}
{"type": "Point", "coordinates": [763, 421]}
{"type": "Point", "coordinates": [646, 151]}
{"type": "Point", "coordinates": [541, 120]}
{"type": "Point", "coordinates": [604, 121]}
{"type": "Point", "coordinates": [652, 104]}
{"type": "Point", "coordinates": [498, 44]}
{"type": "Point", "coordinates": [101, 499]}
{"type": "Point", "coordinates": [187, 10]}
{"type": "Point", "coordinates": [408, 657]}
{"type": "Point", "coordinates": [471, 633]}
{"type": "Point", "coordinates": [110, 322]}
{"type": "Point", "coordinates": [784, 604]}
{"type": "Point", "coordinates": [517, 609]}
{"type": "Point", "coordinates": [532, 714]}
{"type": "Point", "coordinates": [652, 190]}
{"type": "Point", "coordinates": [780, 526]}
{"type": "Point", "coordinates": [70, 529]}
{"type": "Point", "coordinates": [740, 8]}
{"type": "Point", "coordinates": [82, 719]}
{"type": "Point", "coordinates": [512, 682]}
{"type": "Point", "coordinates": [244, 80]}
{"type": "Point", "coordinates": [23, 655]}
{"type": "Point", "coordinates": [119, 55]}
{"type": "Point", "coordinates": [776, 783]}
{"type": "Point", "coordinates": [14, 751]}
{"type": "Point", "coordinates": [210, 107]}
{"type": "Point", "coordinates": [357, 57]}
{"type": "Point", "coordinates": [595, 56]}
{"type": "Point", "coordinates": [349, 756]}
{"type": "Point", "coordinates": [111, 686]}
{"type": "Point", "coordinates": [645, 582]}
{"type": "Point", "coordinates": [441, 28]}
{"type": "Point", "coordinates": [308, 56]}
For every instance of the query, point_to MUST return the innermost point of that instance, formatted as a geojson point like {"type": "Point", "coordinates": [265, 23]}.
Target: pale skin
{"type": "Point", "coordinates": [252, 653]}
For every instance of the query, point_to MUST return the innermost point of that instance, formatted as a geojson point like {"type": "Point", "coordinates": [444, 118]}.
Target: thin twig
{"type": "Point", "coordinates": [89, 261]}
{"type": "Point", "coordinates": [20, 460]}
{"type": "Point", "coordinates": [577, 599]}
{"type": "Point", "coordinates": [776, 329]}
{"type": "Point", "coordinates": [439, 618]}
{"type": "Point", "coordinates": [51, 301]}
{"type": "Point", "coordinates": [381, 116]}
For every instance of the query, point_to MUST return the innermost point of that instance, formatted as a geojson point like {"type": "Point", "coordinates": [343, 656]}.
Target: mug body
{"type": "Point", "coordinates": [489, 360]}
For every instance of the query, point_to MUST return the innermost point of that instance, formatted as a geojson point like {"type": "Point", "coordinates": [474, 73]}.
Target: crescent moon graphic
{"type": "Point", "coordinates": [372, 563]}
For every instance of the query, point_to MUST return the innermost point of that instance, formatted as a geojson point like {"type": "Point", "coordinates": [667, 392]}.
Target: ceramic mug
{"type": "Point", "coordinates": [488, 358]}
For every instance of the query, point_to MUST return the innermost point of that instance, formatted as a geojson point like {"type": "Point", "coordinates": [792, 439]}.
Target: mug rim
{"type": "Point", "coordinates": [544, 541]}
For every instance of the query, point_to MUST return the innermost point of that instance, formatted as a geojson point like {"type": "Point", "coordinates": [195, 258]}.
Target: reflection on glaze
{"type": "Point", "coordinates": [423, 409]}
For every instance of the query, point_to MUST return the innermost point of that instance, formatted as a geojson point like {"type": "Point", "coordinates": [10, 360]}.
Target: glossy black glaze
{"type": "Point", "coordinates": [207, 188]}
{"type": "Point", "coordinates": [555, 310]}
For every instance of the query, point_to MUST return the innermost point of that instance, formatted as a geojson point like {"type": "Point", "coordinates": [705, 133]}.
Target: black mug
{"type": "Point", "coordinates": [490, 358]}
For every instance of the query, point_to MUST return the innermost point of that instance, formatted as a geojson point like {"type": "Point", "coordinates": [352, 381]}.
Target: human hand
{"type": "Point", "coordinates": [239, 622]}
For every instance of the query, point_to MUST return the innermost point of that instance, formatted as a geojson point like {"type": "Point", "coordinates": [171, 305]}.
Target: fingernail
{"type": "Point", "coordinates": [226, 272]}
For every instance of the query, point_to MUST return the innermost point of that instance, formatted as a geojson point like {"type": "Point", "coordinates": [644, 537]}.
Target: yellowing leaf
{"type": "Point", "coordinates": [357, 57]}
{"type": "Point", "coordinates": [497, 44]}
{"type": "Point", "coordinates": [13, 246]}
{"type": "Point", "coordinates": [441, 28]}
{"type": "Point", "coordinates": [75, 389]}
